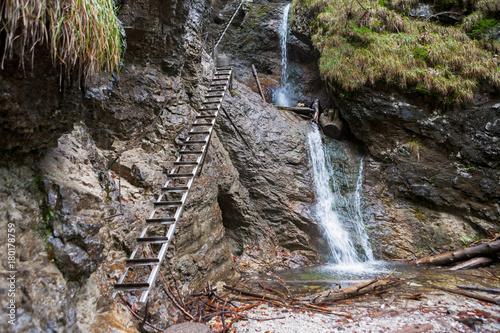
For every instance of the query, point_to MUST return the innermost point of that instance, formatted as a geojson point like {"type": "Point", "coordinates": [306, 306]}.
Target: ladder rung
{"type": "Point", "coordinates": [198, 133]}
{"type": "Point", "coordinates": [186, 162]}
{"type": "Point", "coordinates": [201, 124]}
{"type": "Point", "coordinates": [192, 152]}
{"type": "Point", "coordinates": [131, 286]}
{"type": "Point", "coordinates": [194, 142]}
{"type": "Point", "coordinates": [217, 89]}
{"type": "Point", "coordinates": [205, 116]}
{"type": "Point", "coordinates": [161, 220]}
{"type": "Point", "coordinates": [209, 109]}
{"type": "Point", "coordinates": [168, 203]}
{"type": "Point", "coordinates": [180, 175]}
{"type": "Point", "coordinates": [223, 68]}
{"type": "Point", "coordinates": [220, 94]}
{"type": "Point", "coordinates": [142, 261]}
{"type": "Point", "coordinates": [214, 102]}
{"type": "Point", "coordinates": [218, 84]}
{"type": "Point", "coordinates": [175, 188]}
{"type": "Point", "coordinates": [158, 239]}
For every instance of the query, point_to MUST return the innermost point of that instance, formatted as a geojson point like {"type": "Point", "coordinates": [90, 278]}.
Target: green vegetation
{"type": "Point", "coordinates": [80, 34]}
{"type": "Point", "coordinates": [413, 147]}
{"type": "Point", "coordinates": [368, 42]}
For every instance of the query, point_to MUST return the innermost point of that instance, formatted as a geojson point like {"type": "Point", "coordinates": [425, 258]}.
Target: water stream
{"type": "Point", "coordinates": [282, 94]}
{"type": "Point", "coordinates": [337, 185]}
{"type": "Point", "coordinates": [339, 204]}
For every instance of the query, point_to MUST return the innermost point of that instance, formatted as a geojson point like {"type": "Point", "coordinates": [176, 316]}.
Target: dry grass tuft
{"type": "Point", "coordinates": [365, 42]}
{"type": "Point", "coordinates": [82, 34]}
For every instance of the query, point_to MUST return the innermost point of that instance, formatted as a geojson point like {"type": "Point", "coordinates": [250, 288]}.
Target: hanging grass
{"type": "Point", "coordinates": [367, 42]}
{"type": "Point", "coordinates": [80, 34]}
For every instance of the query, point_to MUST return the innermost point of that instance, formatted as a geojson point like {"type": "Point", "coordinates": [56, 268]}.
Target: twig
{"type": "Point", "coordinates": [272, 290]}
{"type": "Point", "coordinates": [175, 283]}
{"type": "Point", "coordinates": [490, 273]}
{"type": "Point", "coordinates": [283, 284]}
{"type": "Point", "coordinates": [442, 13]}
{"type": "Point", "coordinates": [388, 276]}
{"type": "Point", "coordinates": [137, 316]}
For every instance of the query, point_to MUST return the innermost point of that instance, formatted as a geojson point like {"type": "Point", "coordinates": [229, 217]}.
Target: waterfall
{"type": "Point", "coordinates": [339, 214]}
{"type": "Point", "coordinates": [281, 95]}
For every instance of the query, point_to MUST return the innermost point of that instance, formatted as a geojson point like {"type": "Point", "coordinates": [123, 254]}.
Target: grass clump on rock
{"type": "Point", "coordinates": [82, 34]}
{"type": "Point", "coordinates": [376, 41]}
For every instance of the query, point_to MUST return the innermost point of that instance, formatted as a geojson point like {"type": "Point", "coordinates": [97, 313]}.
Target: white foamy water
{"type": "Point", "coordinates": [340, 216]}
{"type": "Point", "coordinates": [281, 95]}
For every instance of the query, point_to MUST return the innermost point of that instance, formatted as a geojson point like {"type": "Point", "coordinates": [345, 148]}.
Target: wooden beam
{"type": "Point", "coordinates": [258, 82]}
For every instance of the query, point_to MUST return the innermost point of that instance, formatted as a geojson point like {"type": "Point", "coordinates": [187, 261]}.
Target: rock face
{"type": "Point", "coordinates": [62, 197]}
{"type": "Point", "coordinates": [253, 39]}
{"type": "Point", "coordinates": [445, 160]}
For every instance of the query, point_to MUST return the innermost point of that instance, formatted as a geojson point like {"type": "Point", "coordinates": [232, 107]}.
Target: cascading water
{"type": "Point", "coordinates": [338, 207]}
{"type": "Point", "coordinates": [282, 94]}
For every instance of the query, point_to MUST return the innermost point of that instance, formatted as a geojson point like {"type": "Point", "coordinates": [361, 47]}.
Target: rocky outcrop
{"type": "Point", "coordinates": [443, 162]}
{"type": "Point", "coordinates": [243, 207]}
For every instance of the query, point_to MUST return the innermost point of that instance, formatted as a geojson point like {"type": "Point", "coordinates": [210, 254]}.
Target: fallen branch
{"type": "Point", "coordinates": [137, 316]}
{"type": "Point", "coordinates": [352, 291]}
{"type": "Point", "coordinates": [248, 293]}
{"type": "Point", "coordinates": [489, 290]}
{"type": "Point", "coordinates": [471, 295]}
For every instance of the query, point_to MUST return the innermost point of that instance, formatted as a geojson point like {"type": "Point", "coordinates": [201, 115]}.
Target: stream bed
{"type": "Point", "coordinates": [411, 306]}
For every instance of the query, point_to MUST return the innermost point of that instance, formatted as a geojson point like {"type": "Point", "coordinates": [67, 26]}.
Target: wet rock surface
{"type": "Point", "coordinates": [434, 169]}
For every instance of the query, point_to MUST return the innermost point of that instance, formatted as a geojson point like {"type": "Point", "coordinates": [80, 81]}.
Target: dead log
{"type": "Point", "coordinates": [471, 295]}
{"type": "Point", "coordinates": [446, 258]}
{"type": "Point", "coordinates": [258, 82]}
{"type": "Point", "coordinates": [473, 263]}
{"type": "Point", "coordinates": [352, 291]}
{"type": "Point", "coordinates": [331, 124]}
{"type": "Point", "coordinates": [298, 109]}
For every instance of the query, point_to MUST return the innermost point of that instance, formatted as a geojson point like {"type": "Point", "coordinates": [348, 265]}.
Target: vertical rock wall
{"type": "Point", "coordinates": [59, 193]}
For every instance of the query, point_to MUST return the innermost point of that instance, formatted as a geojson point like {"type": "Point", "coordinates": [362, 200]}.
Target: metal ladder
{"type": "Point", "coordinates": [223, 31]}
{"type": "Point", "coordinates": [153, 242]}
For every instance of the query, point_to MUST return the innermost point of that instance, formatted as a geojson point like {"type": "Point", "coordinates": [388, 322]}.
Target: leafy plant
{"type": "Point", "coordinates": [465, 240]}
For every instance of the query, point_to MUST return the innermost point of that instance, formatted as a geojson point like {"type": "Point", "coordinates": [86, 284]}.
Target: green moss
{"type": "Point", "coordinates": [371, 42]}
{"type": "Point", "coordinates": [483, 26]}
